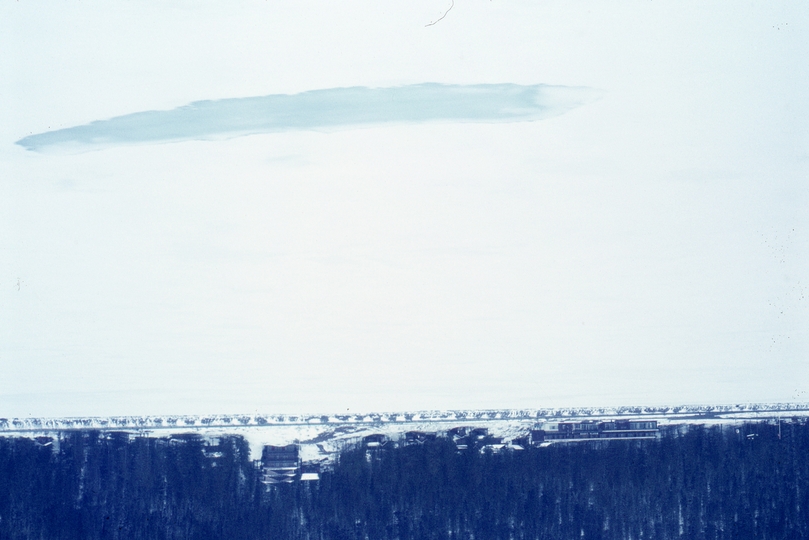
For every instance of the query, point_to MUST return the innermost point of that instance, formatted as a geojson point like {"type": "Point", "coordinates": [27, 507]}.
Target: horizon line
{"type": "Point", "coordinates": [448, 415]}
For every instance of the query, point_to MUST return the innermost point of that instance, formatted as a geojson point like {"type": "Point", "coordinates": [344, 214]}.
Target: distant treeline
{"type": "Point", "coordinates": [746, 482]}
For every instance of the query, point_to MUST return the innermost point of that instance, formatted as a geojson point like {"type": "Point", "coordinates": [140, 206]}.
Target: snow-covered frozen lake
{"type": "Point", "coordinates": [329, 207]}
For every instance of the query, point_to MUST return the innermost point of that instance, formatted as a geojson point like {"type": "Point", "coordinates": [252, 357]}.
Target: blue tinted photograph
{"type": "Point", "coordinates": [429, 270]}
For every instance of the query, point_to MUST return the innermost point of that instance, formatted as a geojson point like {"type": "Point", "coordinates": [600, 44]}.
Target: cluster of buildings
{"type": "Point", "coordinates": [591, 429]}
{"type": "Point", "coordinates": [282, 464]}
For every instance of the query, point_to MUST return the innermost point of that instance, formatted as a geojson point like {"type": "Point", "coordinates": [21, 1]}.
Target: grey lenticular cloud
{"type": "Point", "coordinates": [325, 109]}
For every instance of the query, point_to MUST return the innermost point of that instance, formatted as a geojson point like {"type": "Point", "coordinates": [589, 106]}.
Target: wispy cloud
{"type": "Point", "coordinates": [330, 108]}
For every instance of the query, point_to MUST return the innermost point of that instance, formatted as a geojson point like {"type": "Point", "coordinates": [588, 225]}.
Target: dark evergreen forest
{"type": "Point", "coordinates": [707, 483]}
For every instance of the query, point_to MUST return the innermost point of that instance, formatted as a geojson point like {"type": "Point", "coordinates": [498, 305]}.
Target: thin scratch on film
{"type": "Point", "coordinates": [442, 16]}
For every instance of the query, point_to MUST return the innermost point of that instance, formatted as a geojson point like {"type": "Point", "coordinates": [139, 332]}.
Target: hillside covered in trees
{"type": "Point", "coordinates": [736, 482]}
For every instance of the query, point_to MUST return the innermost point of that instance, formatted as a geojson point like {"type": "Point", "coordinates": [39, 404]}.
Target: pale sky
{"type": "Point", "coordinates": [650, 246]}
